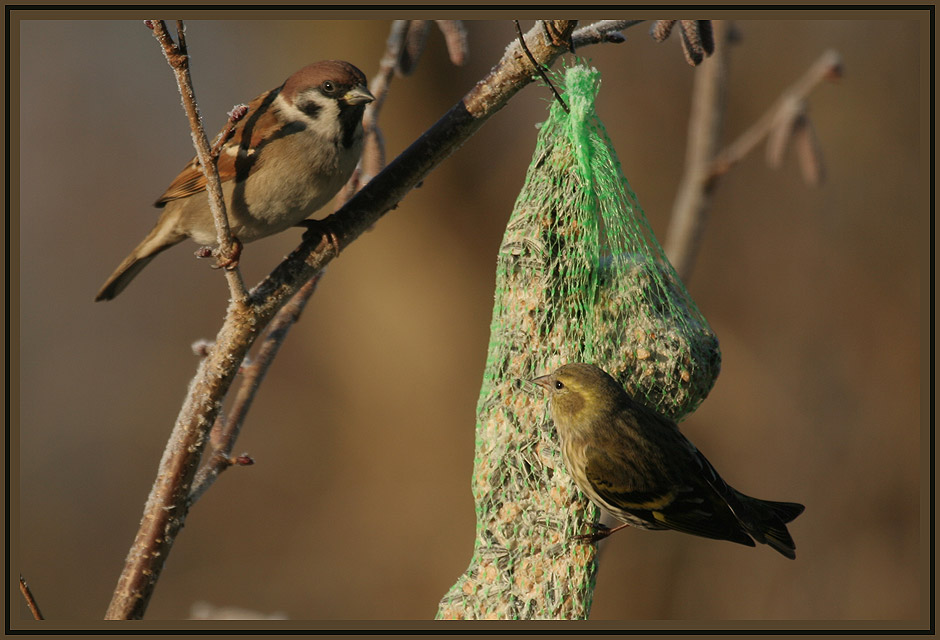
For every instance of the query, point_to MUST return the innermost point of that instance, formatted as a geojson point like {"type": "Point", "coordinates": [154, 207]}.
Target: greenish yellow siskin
{"type": "Point", "coordinates": [635, 463]}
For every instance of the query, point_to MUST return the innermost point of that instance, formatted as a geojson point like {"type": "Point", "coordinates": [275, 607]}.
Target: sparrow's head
{"type": "Point", "coordinates": [331, 91]}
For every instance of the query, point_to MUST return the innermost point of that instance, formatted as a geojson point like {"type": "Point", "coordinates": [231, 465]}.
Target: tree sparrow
{"type": "Point", "coordinates": [293, 151]}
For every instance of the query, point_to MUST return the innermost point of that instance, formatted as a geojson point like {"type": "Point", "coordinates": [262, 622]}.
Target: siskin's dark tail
{"type": "Point", "coordinates": [768, 523]}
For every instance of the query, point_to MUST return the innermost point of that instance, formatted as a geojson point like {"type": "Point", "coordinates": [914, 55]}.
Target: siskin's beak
{"type": "Point", "coordinates": [358, 95]}
{"type": "Point", "coordinates": [543, 381]}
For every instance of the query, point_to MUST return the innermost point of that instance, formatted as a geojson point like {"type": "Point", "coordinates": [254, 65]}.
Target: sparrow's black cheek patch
{"type": "Point", "coordinates": [350, 117]}
{"type": "Point", "coordinates": [312, 109]}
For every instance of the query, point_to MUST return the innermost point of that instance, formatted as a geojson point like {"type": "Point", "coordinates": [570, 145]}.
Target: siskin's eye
{"type": "Point", "coordinates": [328, 86]}
{"type": "Point", "coordinates": [559, 385]}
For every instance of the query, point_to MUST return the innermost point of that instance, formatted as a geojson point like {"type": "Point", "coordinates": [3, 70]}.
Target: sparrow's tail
{"type": "Point", "coordinates": [159, 239]}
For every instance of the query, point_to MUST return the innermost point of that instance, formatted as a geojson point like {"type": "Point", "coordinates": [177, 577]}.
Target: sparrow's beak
{"type": "Point", "coordinates": [543, 381]}
{"type": "Point", "coordinates": [358, 95]}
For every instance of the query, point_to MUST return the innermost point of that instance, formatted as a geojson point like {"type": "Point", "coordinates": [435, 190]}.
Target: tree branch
{"type": "Point", "coordinates": [705, 165]}
{"type": "Point", "coordinates": [225, 431]}
{"type": "Point", "coordinates": [178, 59]}
{"type": "Point", "coordinates": [602, 31]}
{"type": "Point", "coordinates": [30, 600]}
{"type": "Point", "coordinates": [705, 123]}
{"type": "Point", "coordinates": [827, 67]}
{"type": "Point", "coordinates": [167, 506]}
{"type": "Point", "coordinates": [388, 188]}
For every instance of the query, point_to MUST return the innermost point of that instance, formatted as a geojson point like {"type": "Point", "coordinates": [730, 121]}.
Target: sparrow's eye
{"type": "Point", "coordinates": [328, 86]}
{"type": "Point", "coordinates": [559, 385]}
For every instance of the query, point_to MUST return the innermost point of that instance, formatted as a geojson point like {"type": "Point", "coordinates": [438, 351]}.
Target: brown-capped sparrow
{"type": "Point", "coordinates": [287, 157]}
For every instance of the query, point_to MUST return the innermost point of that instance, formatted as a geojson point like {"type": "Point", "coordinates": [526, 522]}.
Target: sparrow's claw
{"type": "Point", "coordinates": [229, 262]}
{"type": "Point", "coordinates": [321, 227]}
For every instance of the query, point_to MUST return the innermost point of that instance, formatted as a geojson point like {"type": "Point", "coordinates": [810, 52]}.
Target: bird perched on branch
{"type": "Point", "coordinates": [634, 462]}
{"type": "Point", "coordinates": [288, 156]}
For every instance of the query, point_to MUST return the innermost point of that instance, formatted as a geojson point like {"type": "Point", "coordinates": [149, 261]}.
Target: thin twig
{"type": "Point", "coordinates": [178, 60]}
{"type": "Point", "coordinates": [238, 112]}
{"type": "Point", "coordinates": [705, 165]}
{"type": "Point", "coordinates": [602, 31]}
{"type": "Point", "coordinates": [181, 39]}
{"type": "Point", "coordinates": [252, 376]}
{"type": "Point", "coordinates": [827, 67]}
{"type": "Point", "coordinates": [30, 600]}
{"type": "Point", "coordinates": [705, 124]}
{"type": "Point", "coordinates": [373, 153]}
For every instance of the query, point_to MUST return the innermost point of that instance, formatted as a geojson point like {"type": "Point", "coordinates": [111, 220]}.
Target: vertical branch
{"type": "Point", "coordinates": [178, 59]}
{"type": "Point", "coordinates": [690, 209]}
{"type": "Point", "coordinates": [373, 148]}
{"type": "Point", "coordinates": [167, 505]}
{"type": "Point", "coordinates": [785, 120]}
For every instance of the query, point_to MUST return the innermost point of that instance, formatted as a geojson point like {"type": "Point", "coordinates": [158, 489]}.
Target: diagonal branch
{"type": "Point", "coordinates": [225, 432]}
{"type": "Point", "coordinates": [387, 189]}
{"type": "Point", "coordinates": [827, 67]}
{"type": "Point", "coordinates": [30, 599]}
{"type": "Point", "coordinates": [167, 506]}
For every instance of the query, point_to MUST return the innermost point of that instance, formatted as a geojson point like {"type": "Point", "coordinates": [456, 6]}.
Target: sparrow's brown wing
{"type": "Point", "coordinates": [238, 156]}
{"type": "Point", "coordinates": [189, 181]}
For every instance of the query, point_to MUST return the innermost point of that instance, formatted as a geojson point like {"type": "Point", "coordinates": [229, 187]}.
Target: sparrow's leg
{"type": "Point", "coordinates": [323, 228]}
{"type": "Point", "coordinates": [225, 262]}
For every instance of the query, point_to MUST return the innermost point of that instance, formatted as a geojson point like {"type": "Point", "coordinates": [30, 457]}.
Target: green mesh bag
{"type": "Point", "coordinates": [580, 278]}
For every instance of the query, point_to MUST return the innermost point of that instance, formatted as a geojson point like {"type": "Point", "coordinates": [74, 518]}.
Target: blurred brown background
{"type": "Point", "coordinates": [359, 506]}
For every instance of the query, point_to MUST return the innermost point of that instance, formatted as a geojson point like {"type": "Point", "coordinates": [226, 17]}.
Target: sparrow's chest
{"type": "Point", "coordinates": [293, 177]}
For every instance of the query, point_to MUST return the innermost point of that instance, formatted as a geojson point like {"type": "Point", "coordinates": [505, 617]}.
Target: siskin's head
{"type": "Point", "coordinates": [580, 395]}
